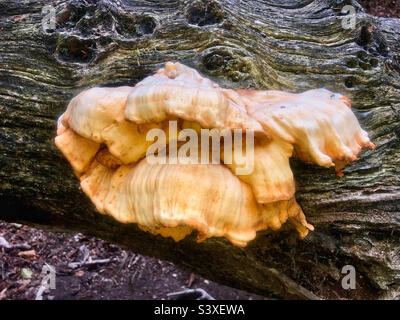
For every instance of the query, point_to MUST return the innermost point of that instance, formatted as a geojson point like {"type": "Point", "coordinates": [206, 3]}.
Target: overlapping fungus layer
{"type": "Point", "coordinates": [103, 136]}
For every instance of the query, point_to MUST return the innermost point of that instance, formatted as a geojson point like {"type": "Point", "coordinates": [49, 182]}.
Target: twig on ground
{"type": "Point", "coordinates": [191, 294]}
{"type": "Point", "coordinates": [191, 280]}
{"type": "Point", "coordinates": [86, 253]}
{"type": "Point", "coordinates": [135, 260]}
{"type": "Point", "coordinates": [74, 265]}
{"type": "Point", "coordinates": [3, 293]}
{"type": "Point", "coordinates": [123, 262]}
{"type": "Point", "coordinates": [4, 243]}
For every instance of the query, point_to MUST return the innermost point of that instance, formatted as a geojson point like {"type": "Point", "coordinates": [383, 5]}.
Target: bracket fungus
{"type": "Point", "coordinates": [106, 134]}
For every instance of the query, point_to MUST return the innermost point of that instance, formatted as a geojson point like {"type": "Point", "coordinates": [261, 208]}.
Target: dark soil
{"type": "Point", "coordinates": [382, 8]}
{"type": "Point", "coordinates": [119, 274]}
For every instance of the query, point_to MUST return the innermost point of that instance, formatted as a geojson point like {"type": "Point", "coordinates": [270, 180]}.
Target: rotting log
{"type": "Point", "coordinates": [290, 45]}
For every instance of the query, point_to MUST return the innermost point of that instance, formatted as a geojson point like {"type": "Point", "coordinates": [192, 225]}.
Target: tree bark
{"type": "Point", "coordinates": [290, 45]}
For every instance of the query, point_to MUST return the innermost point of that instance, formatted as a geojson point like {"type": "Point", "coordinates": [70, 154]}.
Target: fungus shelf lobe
{"type": "Point", "coordinates": [103, 136]}
{"type": "Point", "coordinates": [178, 91]}
{"type": "Point", "coordinates": [318, 123]}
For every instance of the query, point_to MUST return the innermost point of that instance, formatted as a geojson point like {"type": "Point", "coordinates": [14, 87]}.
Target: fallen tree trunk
{"type": "Point", "coordinates": [289, 45]}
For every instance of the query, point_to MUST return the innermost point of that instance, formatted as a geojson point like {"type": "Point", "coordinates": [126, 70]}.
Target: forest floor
{"type": "Point", "coordinates": [89, 268]}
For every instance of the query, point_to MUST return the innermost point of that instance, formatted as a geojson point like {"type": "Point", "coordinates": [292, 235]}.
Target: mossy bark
{"type": "Point", "coordinates": [291, 45]}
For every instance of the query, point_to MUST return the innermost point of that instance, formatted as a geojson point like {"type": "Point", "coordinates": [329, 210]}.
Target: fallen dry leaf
{"type": "Point", "coordinates": [27, 254]}
{"type": "Point", "coordinates": [3, 294]}
{"type": "Point", "coordinates": [191, 280]}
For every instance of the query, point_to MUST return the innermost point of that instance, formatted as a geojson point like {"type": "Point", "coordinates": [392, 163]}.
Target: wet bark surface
{"type": "Point", "coordinates": [276, 44]}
